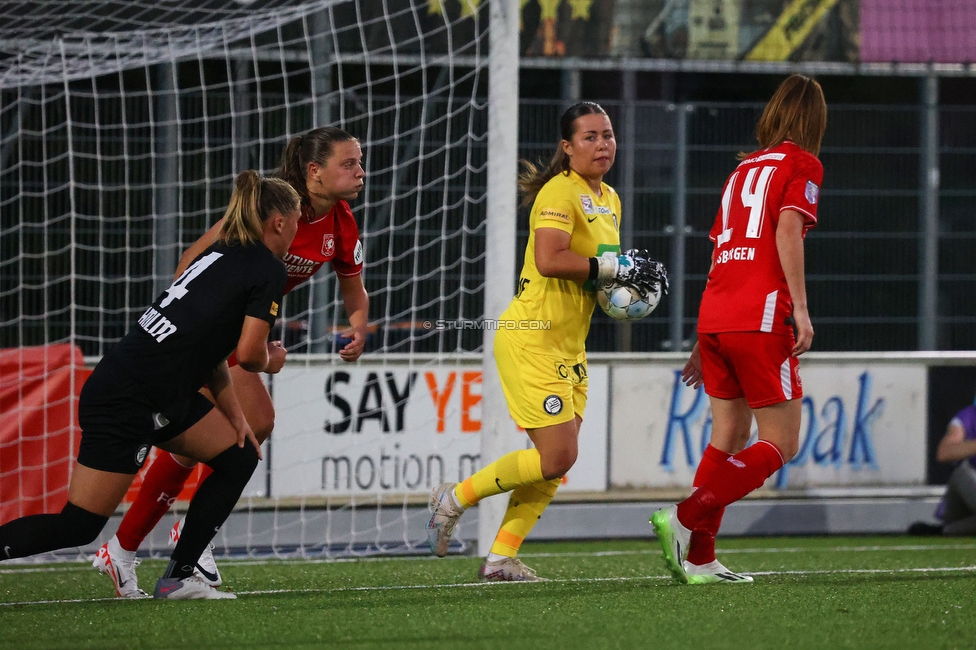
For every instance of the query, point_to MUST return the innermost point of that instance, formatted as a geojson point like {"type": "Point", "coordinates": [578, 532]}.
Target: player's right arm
{"type": "Point", "coordinates": [198, 247]}
{"type": "Point", "coordinates": [554, 259]}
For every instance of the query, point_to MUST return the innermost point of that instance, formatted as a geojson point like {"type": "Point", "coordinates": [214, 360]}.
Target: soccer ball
{"type": "Point", "coordinates": [624, 302]}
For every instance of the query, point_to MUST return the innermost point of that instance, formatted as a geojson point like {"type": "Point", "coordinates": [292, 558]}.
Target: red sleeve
{"type": "Point", "coordinates": [348, 260]}
{"type": "Point", "coordinates": [802, 192]}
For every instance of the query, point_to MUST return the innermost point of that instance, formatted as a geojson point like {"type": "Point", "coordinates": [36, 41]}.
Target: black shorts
{"type": "Point", "coordinates": [119, 424]}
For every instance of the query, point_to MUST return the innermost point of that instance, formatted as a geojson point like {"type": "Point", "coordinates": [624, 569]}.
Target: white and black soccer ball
{"type": "Point", "coordinates": [624, 302]}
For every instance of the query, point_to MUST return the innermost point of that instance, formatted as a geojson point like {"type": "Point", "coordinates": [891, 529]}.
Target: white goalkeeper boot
{"type": "Point", "coordinates": [119, 565]}
{"type": "Point", "coordinates": [509, 569]}
{"type": "Point", "coordinates": [713, 573]}
{"type": "Point", "coordinates": [192, 588]}
{"type": "Point", "coordinates": [206, 568]}
{"type": "Point", "coordinates": [444, 515]}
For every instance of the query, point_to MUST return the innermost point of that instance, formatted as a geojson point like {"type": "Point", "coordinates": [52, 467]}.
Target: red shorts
{"type": "Point", "coordinates": [756, 365]}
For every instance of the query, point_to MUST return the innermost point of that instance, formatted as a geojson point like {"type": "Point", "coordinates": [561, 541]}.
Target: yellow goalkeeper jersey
{"type": "Point", "coordinates": [561, 309]}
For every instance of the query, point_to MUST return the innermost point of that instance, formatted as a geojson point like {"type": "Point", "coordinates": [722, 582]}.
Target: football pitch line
{"type": "Point", "coordinates": [653, 549]}
{"type": "Point", "coordinates": [495, 585]}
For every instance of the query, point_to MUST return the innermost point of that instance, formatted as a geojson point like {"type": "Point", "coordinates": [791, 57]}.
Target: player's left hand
{"type": "Point", "coordinates": [646, 273]}
{"type": "Point", "coordinates": [691, 374]}
{"type": "Point", "coordinates": [276, 357]}
{"type": "Point", "coordinates": [354, 348]}
{"type": "Point", "coordinates": [244, 433]}
{"type": "Point", "coordinates": [804, 331]}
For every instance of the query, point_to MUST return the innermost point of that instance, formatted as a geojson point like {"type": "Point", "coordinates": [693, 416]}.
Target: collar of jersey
{"type": "Point", "coordinates": [581, 181]}
{"type": "Point", "coordinates": [321, 216]}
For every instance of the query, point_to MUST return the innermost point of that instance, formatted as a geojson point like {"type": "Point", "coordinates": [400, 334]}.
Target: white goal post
{"type": "Point", "coordinates": [122, 126]}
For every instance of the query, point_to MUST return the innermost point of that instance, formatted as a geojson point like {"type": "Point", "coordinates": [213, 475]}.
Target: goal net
{"type": "Point", "coordinates": [122, 126]}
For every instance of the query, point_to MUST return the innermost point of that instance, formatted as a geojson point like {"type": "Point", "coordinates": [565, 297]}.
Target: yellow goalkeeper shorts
{"type": "Point", "coordinates": [541, 390]}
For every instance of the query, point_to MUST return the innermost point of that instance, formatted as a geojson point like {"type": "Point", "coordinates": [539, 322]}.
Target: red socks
{"type": "Point", "coordinates": [730, 481]}
{"type": "Point", "coordinates": [701, 550]}
{"type": "Point", "coordinates": [160, 486]}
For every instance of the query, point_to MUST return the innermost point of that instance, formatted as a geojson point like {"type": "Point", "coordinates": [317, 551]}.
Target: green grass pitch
{"type": "Point", "coordinates": [823, 592]}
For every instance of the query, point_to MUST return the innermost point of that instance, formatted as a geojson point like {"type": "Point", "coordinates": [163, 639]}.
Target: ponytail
{"type": "Point", "coordinates": [290, 168]}
{"type": "Point", "coordinates": [254, 199]}
{"type": "Point", "coordinates": [533, 178]}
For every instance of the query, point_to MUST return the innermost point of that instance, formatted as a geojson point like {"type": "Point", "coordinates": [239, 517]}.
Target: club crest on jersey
{"type": "Point", "coordinates": [587, 202]}
{"type": "Point", "coordinates": [328, 246]}
{"type": "Point", "coordinates": [552, 405]}
{"type": "Point", "coordinates": [811, 192]}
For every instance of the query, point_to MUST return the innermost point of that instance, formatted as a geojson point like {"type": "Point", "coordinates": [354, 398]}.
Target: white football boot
{"type": "Point", "coordinates": [713, 573]}
{"type": "Point", "coordinates": [119, 565]}
{"type": "Point", "coordinates": [192, 588]}
{"type": "Point", "coordinates": [444, 515]}
{"type": "Point", "coordinates": [510, 569]}
{"type": "Point", "coordinates": [206, 567]}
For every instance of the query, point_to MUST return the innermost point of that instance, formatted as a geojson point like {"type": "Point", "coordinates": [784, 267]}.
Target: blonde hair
{"type": "Point", "coordinates": [797, 112]}
{"type": "Point", "coordinates": [254, 199]}
{"type": "Point", "coordinates": [533, 178]}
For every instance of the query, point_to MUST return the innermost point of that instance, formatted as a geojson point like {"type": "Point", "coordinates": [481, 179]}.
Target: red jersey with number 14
{"type": "Point", "coordinates": [331, 237]}
{"type": "Point", "coordinates": [746, 289]}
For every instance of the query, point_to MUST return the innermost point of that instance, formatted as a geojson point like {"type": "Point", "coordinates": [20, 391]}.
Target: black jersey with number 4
{"type": "Point", "coordinates": [196, 323]}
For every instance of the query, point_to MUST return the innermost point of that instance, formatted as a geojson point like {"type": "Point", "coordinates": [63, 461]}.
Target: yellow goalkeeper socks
{"type": "Point", "coordinates": [525, 507]}
{"type": "Point", "coordinates": [522, 467]}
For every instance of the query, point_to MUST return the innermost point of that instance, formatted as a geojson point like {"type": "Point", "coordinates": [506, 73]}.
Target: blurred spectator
{"type": "Point", "coordinates": [957, 510]}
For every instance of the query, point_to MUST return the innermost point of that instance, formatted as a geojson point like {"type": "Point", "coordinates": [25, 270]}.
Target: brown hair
{"type": "Point", "coordinates": [532, 179]}
{"type": "Point", "coordinates": [254, 199]}
{"type": "Point", "coordinates": [797, 112]}
{"type": "Point", "coordinates": [316, 146]}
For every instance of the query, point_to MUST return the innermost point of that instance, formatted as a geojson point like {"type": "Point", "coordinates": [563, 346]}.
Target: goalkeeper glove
{"type": "Point", "coordinates": [633, 267]}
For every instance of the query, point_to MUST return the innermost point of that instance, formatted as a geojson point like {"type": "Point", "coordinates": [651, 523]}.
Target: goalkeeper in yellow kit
{"type": "Point", "coordinates": [574, 243]}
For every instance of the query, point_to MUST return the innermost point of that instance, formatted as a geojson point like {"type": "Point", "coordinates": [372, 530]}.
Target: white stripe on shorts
{"type": "Point", "coordinates": [768, 311]}
{"type": "Point", "coordinates": [784, 379]}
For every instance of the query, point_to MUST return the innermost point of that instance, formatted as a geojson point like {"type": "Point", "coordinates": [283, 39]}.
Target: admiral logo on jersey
{"type": "Point", "coordinates": [553, 214]}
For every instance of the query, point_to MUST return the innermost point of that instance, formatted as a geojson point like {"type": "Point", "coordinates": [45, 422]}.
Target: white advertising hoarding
{"type": "Point", "coordinates": [862, 424]}
{"type": "Point", "coordinates": [392, 429]}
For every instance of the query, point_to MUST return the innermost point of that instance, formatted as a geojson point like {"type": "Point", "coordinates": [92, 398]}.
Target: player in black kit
{"type": "Point", "coordinates": [145, 389]}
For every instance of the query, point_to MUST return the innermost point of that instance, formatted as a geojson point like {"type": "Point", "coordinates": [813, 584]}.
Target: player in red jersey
{"type": "Point", "coordinates": [747, 351]}
{"type": "Point", "coordinates": [325, 168]}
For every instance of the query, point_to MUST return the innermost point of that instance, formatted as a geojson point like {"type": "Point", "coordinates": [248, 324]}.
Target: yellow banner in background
{"type": "Point", "coordinates": [794, 25]}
